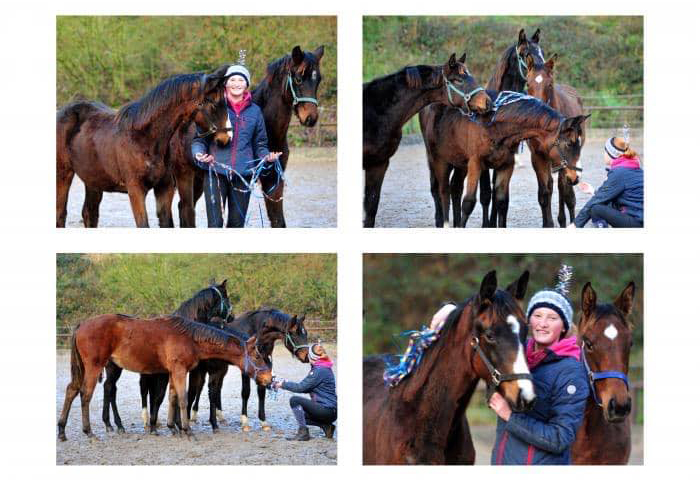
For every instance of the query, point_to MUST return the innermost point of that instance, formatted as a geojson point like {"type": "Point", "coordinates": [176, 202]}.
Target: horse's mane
{"type": "Point", "coordinates": [192, 307]}
{"type": "Point", "coordinates": [496, 80]}
{"type": "Point", "coordinates": [201, 332]}
{"type": "Point", "coordinates": [529, 113]}
{"type": "Point", "coordinates": [415, 77]}
{"type": "Point", "coordinates": [173, 91]}
{"type": "Point", "coordinates": [268, 312]}
{"type": "Point", "coordinates": [280, 66]}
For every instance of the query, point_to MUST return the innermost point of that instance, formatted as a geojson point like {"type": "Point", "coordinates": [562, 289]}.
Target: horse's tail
{"type": "Point", "coordinates": [77, 369]}
{"type": "Point", "coordinates": [70, 118]}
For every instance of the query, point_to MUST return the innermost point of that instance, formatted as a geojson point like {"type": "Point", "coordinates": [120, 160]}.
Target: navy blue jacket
{"type": "Point", "coordinates": [247, 146]}
{"type": "Point", "coordinates": [544, 435]}
{"type": "Point", "coordinates": [623, 189]}
{"type": "Point", "coordinates": [319, 383]}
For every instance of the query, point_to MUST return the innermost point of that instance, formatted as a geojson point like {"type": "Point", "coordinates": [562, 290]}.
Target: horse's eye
{"type": "Point", "coordinates": [490, 337]}
{"type": "Point", "coordinates": [587, 344]}
{"type": "Point", "coordinates": [297, 80]}
{"type": "Point", "coordinates": [459, 81]}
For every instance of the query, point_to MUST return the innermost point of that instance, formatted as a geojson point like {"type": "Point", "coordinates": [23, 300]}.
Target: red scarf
{"type": "Point", "coordinates": [239, 106]}
{"type": "Point", "coordinates": [564, 348]}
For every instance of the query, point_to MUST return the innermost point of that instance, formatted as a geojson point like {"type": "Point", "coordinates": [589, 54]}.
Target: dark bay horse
{"type": "Point", "coordinates": [205, 305]}
{"type": "Point", "coordinates": [389, 102]}
{"type": "Point", "coordinates": [565, 100]}
{"type": "Point", "coordinates": [268, 325]}
{"type": "Point", "coordinates": [605, 336]}
{"type": "Point", "coordinates": [126, 151]}
{"type": "Point", "coordinates": [168, 344]}
{"type": "Point", "coordinates": [453, 140]}
{"type": "Point", "coordinates": [422, 419]}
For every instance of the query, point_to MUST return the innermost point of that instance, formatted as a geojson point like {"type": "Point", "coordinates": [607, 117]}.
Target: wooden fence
{"type": "Point", "coordinates": [324, 133]}
{"type": "Point", "coordinates": [628, 109]}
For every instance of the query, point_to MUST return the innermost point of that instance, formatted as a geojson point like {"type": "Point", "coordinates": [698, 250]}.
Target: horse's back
{"type": "Point", "coordinates": [569, 102]}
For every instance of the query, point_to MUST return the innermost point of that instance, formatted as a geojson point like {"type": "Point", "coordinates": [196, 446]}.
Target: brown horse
{"type": "Point", "coordinates": [605, 335]}
{"type": "Point", "coordinates": [168, 344]}
{"type": "Point", "coordinates": [421, 420]}
{"type": "Point", "coordinates": [565, 100]}
{"type": "Point", "coordinates": [127, 151]}
{"type": "Point", "coordinates": [452, 140]}
{"type": "Point", "coordinates": [389, 102]}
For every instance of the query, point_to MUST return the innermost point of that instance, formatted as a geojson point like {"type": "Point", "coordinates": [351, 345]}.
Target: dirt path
{"type": "Point", "coordinates": [406, 200]}
{"type": "Point", "coordinates": [309, 197]}
{"type": "Point", "coordinates": [229, 447]}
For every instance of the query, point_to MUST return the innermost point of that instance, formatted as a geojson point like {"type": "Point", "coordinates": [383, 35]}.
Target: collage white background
{"type": "Point", "coordinates": [669, 241]}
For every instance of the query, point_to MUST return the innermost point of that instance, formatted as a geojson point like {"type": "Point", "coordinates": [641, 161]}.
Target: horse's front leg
{"type": "Point", "coordinates": [91, 207]}
{"type": "Point", "coordinates": [435, 192]}
{"type": "Point", "coordinates": [185, 206]}
{"type": "Point", "coordinates": [442, 174]}
{"type": "Point", "coordinates": [456, 189]}
{"type": "Point", "coordinates": [178, 378]}
{"type": "Point", "coordinates": [469, 201]}
{"type": "Point", "coordinates": [485, 197]}
{"type": "Point", "coordinates": [137, 198]}
{"type": "Point", "coordinates": [197, 376]}
{"type": "Point", "coordinates": [273, 186]}
{"type": "Point", "coordinates": [64, 178]}
{"type": "Point", "coordinates": [567, 199]}
{"type": "Point", "coordinates": [113, 372]}
{"type": "Point", "coordinates": [261, 407]}
{"type": "Point", "coordinates": [245, 395]}
{"type": "Point", "coordinates": [164, 192]}
{"type": "Point", "coordinates": [158, 385]}
{"type": "Point", "coordinates": [374, 178]}
{"type": "Point", "coordinates": [544, 187]}
{"type": "Point", "coordinates": [502, 193]}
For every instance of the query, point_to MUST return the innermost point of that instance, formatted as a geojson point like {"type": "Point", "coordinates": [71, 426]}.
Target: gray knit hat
{"type": "Point", "coordinates": [238, 70]}
{"type": "Point", "coordinates": [556, 298]}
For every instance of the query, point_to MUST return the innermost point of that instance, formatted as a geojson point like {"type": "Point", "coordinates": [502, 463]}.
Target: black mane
{"type": "Point", "coordinates": [529, 113]}
{"type": "Point", "coordinates": [204, 333]}
{"type": "Point", "coordinates": [201, 307]}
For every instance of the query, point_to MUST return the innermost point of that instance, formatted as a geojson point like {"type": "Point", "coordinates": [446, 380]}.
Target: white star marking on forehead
{"type": "Point", "coordinates": [313, 75]}
{"type": "Point", "coordinates": [538, 78]}
{"type": "Point", "coordinates": [611, 332]}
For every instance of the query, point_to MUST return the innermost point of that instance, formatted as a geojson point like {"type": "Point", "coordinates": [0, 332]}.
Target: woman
{"type": "Point", "coordinates": [230, 168]}
{"type": "Point", "coordinates": [544, 435]}
{"type": "Point", "coordinates": [619, 201]}
{"type": "Point", "coordinates": [321, 409]}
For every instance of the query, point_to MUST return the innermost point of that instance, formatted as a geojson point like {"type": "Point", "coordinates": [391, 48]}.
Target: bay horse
{"type": "Point", "coordinates": [126, 151]}
{"type": "Point", "coordinates": [422, 419]}
{"type": "Point", "coordinates": [389, 102]}
{"type": "Point", "coordinates": [268, 325]}
{"type": "Point", "coordinates": [167, 344]}
{"type": "Point", "coordinates": [203, 307]}
{"type": "Point", "coordinates": [605, 337]}
{"type": "Point", "coordinates": [452, 140]}
{"type": "Point", "coordinates": [567, 101]}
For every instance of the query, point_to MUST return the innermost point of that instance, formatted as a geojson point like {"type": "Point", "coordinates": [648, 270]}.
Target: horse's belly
{"type": "Point", "coordinates": [141, 360]}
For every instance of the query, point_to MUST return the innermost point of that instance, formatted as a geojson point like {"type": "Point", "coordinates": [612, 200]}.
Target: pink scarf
{"type": "Point", "coordinates": [564, 348]}
{"type": "Point", "coordinates": [326, 363]}
{"type": "Point", "coordinates": [239, 106]}
{"type": "Point", "coordinates": [624, 162]}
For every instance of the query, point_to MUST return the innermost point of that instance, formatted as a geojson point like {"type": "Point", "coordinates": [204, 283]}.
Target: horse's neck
{"type": "Point", "coordinates": [161, 129]}
{"type": "Point", "coordinates": [230, 351]}
{"type": "Point", "coordinates": [510, 134]}
{"type": "Point", "coordinates": [276, 104]}
{"type": "Point", "coordinates": [411, 101]}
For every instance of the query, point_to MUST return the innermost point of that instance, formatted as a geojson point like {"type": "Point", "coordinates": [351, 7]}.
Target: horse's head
{"type": "Point", "coordinates": [461, 89]}
{"type": "Point", "coordinates": [256, 365]}
{"type": "Point", "coordinates": [605, 334]}
{"type": "Point", "coordinates": [540, 78]}
{"type": "Point", "coordinates": [211, 116]}
{"type": "Point", "coordinates": [303, 75]}
{"type": "Point", "coordinates": [296, 338]}
{"type": "Point", "coordinates": [221, 303]}
{"type": "Point", "coordinates": [526, 50]}
{"type": "Point", "coordinates": [498, 334]}
{"type": "Point", "coordinates": [564, 147]}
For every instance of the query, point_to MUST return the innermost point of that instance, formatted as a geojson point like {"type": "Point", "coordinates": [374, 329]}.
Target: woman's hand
{"type": "Point", "coordinates": [571, 225]}
{"type": "Point", "coordinates": [499, 405]}
{"type": "Point", "coordinates": [277, 384]}
{"type": "Point", "coordinates": [204, 157]}
{"type": "Point", "coordinates": [273, 156]}
{"type": "Point", "coordinates": [586, 188]}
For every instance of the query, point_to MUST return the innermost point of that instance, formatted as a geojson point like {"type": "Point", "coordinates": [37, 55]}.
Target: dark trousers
{"type": "Point", "coordinates": [614, 217]}
{"type": "Point", "coordinates": [314, 413]}
{"type": "Point", "coordinates": [220, 190]}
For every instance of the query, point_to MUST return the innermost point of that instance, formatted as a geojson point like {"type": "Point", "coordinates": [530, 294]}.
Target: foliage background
{"type": "Point", "coordinates": [151, 284]}
{"type": "Point", "coordinates": [601, 55]}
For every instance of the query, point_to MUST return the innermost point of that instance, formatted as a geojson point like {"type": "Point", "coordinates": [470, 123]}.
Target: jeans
{"type": "Point", "coordinates": [614, 217]}
{"type": "Point", "coordinates": [219, 190]}
{"type": "Point", "coordinates": [314, 413]}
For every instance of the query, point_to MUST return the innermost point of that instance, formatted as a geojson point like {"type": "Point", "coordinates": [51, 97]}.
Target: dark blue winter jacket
{"type": "Point", "coordinates": [319, 383]}
{"type": "Point", "coordinates": [544, 435]}
{"type": "Point", "coordinates": [623, 190]}
{"type": "Point", "coordinates": [247, 146]}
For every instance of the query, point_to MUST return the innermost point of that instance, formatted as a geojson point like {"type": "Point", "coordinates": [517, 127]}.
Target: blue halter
{"type": "Point", "coordinates": [594, 376]}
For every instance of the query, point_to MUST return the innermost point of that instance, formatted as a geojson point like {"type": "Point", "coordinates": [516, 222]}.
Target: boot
{"type": "Point", "coordinates": [302, 435]}
{"type": "Point", "coordinates": [328, 430]}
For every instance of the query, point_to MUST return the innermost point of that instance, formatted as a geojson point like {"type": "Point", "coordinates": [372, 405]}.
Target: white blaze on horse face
{"type": "Point", "coordinates": [314, 75]}
{"type": "Point", "coordinates": [610, 332]}
{"type": "Point", "coordinates": [229, 129]}
{"type": "Point", "coordinates": [538, 78]}
{"type": "Point", "coordinates": [441, 315]}
{"type": "Point", "coordinates": [520, 365]}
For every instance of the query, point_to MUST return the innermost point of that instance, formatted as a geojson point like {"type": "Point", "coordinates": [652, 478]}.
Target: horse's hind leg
{"type": "Point", "coordinates": [72, 391]}
{"type": "Point", "coordinates": [567, 200]}
{"type": "Point", "coordinates": [164, 193]}
{"type": "Point", "coordinates": [92, 372]}
{"type": "Point", "coordinates": [245, 395]}
{"type": "Point", "coordinates": [64, 178]}
{"type": "Point", "coordinates": [374, 178]}
{"type": "Point", "coordinates": [194, 391]}
{"type": "Point", "coordinates": [157, 388]}
{"type": "Point", "coordinates": [485, 197]}
{"type": "Point", "coordinates": [113, 372]}
{"type": "Point", "coordinates": [185, 205]}
{"type": "Point", "coordinates": [217, 381]}
{"type": "Point", "coordinates": [178, 380]}
{"type": "Point", "coordinates": [502, 194]}
{"type": "Point", "coordinates": [273, 200]}
{"type": "Point", "coordinates": [137, 198]}
{"type": "Point", "coordinates": [91, 207]}
{"type": "Point", "coordinates": [544, 188]}
{"type": "Point", "coordinates": [435, 192]}
{"type": "Point", "coordinates": [456, 189]}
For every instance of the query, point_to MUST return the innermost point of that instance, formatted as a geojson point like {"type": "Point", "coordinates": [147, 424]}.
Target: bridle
{"type": "Point", "coordinates": [594, 376]}
{"type": "Point", "coordinates": [496, 376]}
{"type": "Point", "coordinates": [466, 97]}
{"type": "Point", "coordinates": [288, 339]}
{"type": "Point", "coordinates": [224, 309]}
{"type": "Point", "coordinates": [296, 99]}
{"type": "Point", "coordinates": [212, 125]}
{"type": "Point", "coordinates": [564, 163]}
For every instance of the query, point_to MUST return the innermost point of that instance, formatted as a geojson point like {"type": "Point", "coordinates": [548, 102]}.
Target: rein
{"type": "Point", "coordinates": [223, 308]}
{"type": "Point", "coordinates": [496, 376]}
{"type": "Point", "coordinates": [466, 97]}
{"type": "Point", "coordinates": [296, 99]}
{"type": "Point", "coordinates": [594, 376]}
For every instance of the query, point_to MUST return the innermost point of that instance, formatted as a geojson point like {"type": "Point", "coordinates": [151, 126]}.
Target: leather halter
{"type": "Point", "coordinates": [212, 125]}
{"type": "Point", "coordinates": [496, 376]}
{"type": "Point", "coordinates": [466, 97]}
{"type": "Point", "coordinates": [296, 99]}
{"type": "Point", "coordinates": [223, 308]}
{"type": "Point", "coordinates": [564, 163]}
{"type": "Point", "coordinates": [594, 376]}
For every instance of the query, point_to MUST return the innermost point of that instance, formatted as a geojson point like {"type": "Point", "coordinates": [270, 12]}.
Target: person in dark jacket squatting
{"type": "Point", "coordinates": [322, 408]}
{"type": "Point", "coordinates": [619, 201]}
{"type": "Point", "coordinates": [230, 168]}
{"type": "Point", "coordinates": [544, 435]}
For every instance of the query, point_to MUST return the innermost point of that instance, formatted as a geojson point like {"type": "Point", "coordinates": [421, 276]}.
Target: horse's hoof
{"type": "Point", "coordinates": [153, 431]}
{"type": "Point", "coordinates": [109, 428]}
{"type": "Point", "coordinates": [120, 430]}
{"type": "Point", "coordinates": [246, 428]}
{"type": "Point", "coordinates": [215, 430]}
{"type": "Point", "coordinates": [62, 437]}
{"type": "Point", "coordinates": [266, 428]}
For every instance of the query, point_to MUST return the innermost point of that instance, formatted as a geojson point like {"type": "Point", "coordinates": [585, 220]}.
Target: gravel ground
{"type": "Point", "coordinates": [406, 200]}
{"type": "Point", "coordinates": [309, 197]}
{"type": "Point", "coordinates": [231, 446]}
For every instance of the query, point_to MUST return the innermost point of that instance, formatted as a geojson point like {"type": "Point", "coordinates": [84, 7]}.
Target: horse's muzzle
{"type": "Point", "coordinates": [617, 412]}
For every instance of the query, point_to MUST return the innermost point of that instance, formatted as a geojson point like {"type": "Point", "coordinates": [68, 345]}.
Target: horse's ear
{"type": "Point", "coordinates": [625, 300]}
{"type": "Point", "coordinates": [518, 288]}
{"type": "Point", "coordinates": [588, 300]}
{"type": "Point", "coordinates": [223, 284]}
{"type": "Point", "coordinates": [302, 318]}
{"type": "Point", "coordinates": [522, 38]}
{"type": "Point", "coordinates": [463, 58]}
{"type": "Point", "coordinates": [452, 62]}
{"type": "Point", "coordinates": [297, 55]}
{"type": "Point", "coordinates": [530, 62]}
{"type": "Point", "coordinates": [318, 53]}
{"type": "Point", "coordinates": [488, 287]}
{"type": "Point", "coordinates": [215, 79]}
{"type": "Point", "coordinates": [574, 122]}
{"type": "Point", "coordinates": [536, 36]}
{"type": "Point", "coordinates": [550, 63]}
